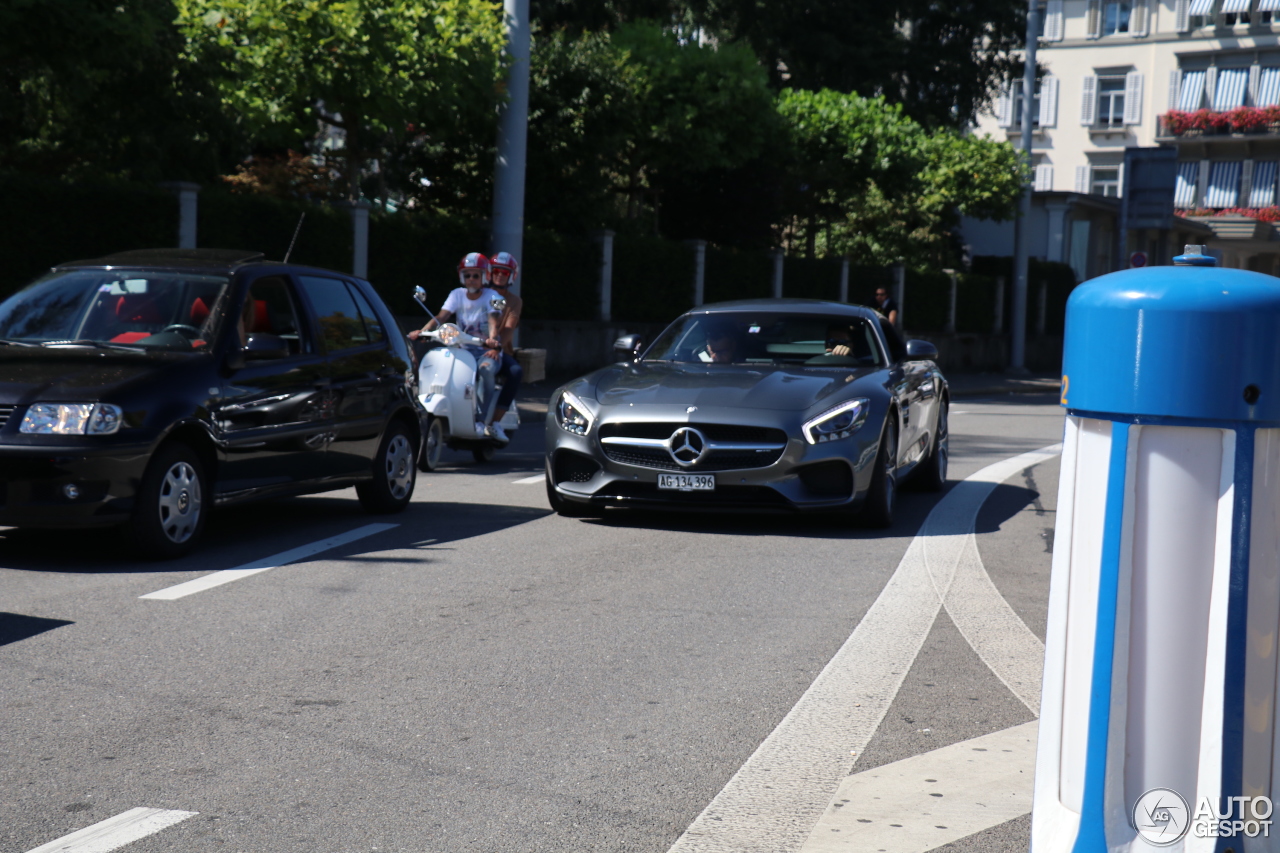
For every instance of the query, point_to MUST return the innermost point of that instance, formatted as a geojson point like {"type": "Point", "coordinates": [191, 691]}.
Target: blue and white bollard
{"type": "Point", "coordinates": [1160, 678]}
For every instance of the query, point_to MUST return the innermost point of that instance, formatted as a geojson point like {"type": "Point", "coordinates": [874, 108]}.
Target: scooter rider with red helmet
{"type": "Point", "coordinates": [470, 304]}
{"type": "Point", "coordinates": [503, 272]}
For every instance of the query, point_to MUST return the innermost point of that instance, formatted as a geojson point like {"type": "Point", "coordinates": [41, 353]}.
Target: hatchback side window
{"type": "Point", "coordinates": [341, 326]}
{"type": "Point", "coordinates": [371, 322]}
{"type": "Point", "coordinates": [275, 312]}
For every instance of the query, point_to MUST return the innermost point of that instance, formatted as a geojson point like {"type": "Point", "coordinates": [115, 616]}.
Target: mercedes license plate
{"type": "Point", "coordinates": [687, 482]}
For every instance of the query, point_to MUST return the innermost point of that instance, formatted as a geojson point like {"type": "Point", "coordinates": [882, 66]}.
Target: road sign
{"type": "Point", "coordinates": [1137, 259]}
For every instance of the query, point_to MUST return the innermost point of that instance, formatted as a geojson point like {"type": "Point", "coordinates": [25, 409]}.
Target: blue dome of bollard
{"type": "Point", "coordinates": [1178, 342]}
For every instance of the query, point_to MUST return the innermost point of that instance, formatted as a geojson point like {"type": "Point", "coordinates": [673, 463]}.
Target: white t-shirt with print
{"type": "Point", "coordinates": [471, 315]}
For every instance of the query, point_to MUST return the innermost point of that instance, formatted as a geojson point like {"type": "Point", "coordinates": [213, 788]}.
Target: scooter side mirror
{"type": "Point", "coordinates": [628, 347]}
{"type": "Point", "coordinates": [498, 304]}
{"type": "Point", "coordinates": [420, 295]}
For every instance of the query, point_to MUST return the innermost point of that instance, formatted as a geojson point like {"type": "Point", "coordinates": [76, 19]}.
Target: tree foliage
{"type": "Point", "coordinates": [370, 68]}
{"type": "Point", "coordinates": [101, 87]}
{"type": "Point", "coordinates": [866, 180]}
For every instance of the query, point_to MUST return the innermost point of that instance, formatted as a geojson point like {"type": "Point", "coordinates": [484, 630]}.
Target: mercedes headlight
{"type": "Point", "coordinates": [72, 419]}
{"type": "Point", "coordinates": [835, 424]}
{"type": "Point", "coordinates": [572, 415]}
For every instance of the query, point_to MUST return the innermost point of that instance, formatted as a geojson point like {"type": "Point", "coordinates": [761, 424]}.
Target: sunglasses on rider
{"type": "Point", "coordinates": [472, 275]}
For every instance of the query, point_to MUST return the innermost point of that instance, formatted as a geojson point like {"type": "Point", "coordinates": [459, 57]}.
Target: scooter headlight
{"type": "Point", "coordinates": [572, 414]}
{"type": "Point", "coordinates": [448, 333]}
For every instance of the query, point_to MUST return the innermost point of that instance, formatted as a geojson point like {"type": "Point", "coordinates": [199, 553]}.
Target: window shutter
{"type": "Point", "coordinates": [1175, 83]}
{"type": "Point", "coordinates": [1004, 107]}
{"type": "Point", "coordinates": [1053, 21]}
{"type": "Point", "coordinates": [1182, 12]}
{"type": "Point", "coordinates": [1210, 84]}
{"type": "Point", "coordinates": [1133, 97]}
{"type": "Point", "coordinates": [1049, 102]}
{"type": "Point", "coordinates": [1044, 178]}
{"type": "Point", "coordinates": [1120, 179]}
{"type": "Point", "coordinates": [1093, 21]}
{"type": "Point", "coordinates": [1246, 182]}
{"type": "Point", "coordinates": [1138, 19]}
{"type": "Point", "coordinates": [1082, 179]}
{"type": "Point", "coordinates": [1254, 74]}
{"type": "Point", "coordinates": [1089, 101]}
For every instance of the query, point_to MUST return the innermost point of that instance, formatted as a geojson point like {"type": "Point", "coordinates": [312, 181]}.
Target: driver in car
{"type": "Point", "coordinates": [721, 345]}
{"type": "Point", "coordinates": [839, 340]}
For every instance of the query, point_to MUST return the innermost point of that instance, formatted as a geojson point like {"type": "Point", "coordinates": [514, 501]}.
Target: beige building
{"type": "Point", "coordinates": [1112, 72]}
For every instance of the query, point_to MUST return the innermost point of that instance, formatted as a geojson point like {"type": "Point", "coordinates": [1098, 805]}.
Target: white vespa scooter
{"type": "Point", "coordinates": [447, 390]}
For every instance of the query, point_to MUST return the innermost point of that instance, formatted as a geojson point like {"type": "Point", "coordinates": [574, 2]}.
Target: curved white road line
{"type": "Point", "coordinates": [772, 803]}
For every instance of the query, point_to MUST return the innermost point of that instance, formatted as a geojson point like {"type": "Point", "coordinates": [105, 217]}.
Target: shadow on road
{"type": "Point", "coordinates": [15, 626]}
{"type": "Point", "coordinates": [237, 535]}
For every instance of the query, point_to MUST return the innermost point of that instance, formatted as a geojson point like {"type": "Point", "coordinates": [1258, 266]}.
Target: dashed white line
{"type": "Point", "coordinates": [536, 478]}
{"type": "Point", "coordinates": [115, 832]}
{"type": "Point", "coordinates": [200, 584]}
{"type": "Point", "coordinates": [772, 803]}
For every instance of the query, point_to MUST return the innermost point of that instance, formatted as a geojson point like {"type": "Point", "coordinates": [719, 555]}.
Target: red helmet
{"type": "Point", "coordinates": [474, 261]}
{"type": "Point", "coordinates": [506, 261]}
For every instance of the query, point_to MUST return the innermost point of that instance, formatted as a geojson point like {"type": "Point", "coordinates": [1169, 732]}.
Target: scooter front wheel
{"type": "Point", "coordinates": [484, 453]}
{"type": "Point", "coordinates": [432, 446]}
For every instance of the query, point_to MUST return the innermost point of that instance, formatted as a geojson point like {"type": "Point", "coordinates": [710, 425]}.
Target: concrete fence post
{"type": "Point", "coordinates": [900, 292]}
{"type": "Point", "coordinates": [844, 279]}
{"type": "Point", "coordinates": [360, 239]}
{"type": "Point", "coordinates": [950, 328]}
{"type": "Point", "coordinates": [777, 256]}
{"type": "Point", "coordinates": [605, 238]}
{"type": "Point", "coordinates": [187, 193]}
{"type": "Point", "coordinates": [998, 326]}
{"type": "Point", "coordinates": [699, 270]}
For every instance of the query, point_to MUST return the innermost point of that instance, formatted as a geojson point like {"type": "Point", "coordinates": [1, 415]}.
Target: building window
{"type": "Point", "coordinates": [1111, 101]}
{"type": "Point", "coordinates": [1224, 184]}
{"type": "Point", "coordinates": [1201, 13]}
{"type": "Point", "coordinates": [1184, 193]}
{"type": "Point", "coordinates": [1018, 98]}
{"type": "Point", "coordinates": [1115, 18]}
{"type": "Point", "coordinates": [1105, 180]}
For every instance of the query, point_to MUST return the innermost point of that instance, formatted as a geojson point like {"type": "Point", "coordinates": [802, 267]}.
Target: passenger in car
{"type": "Point", "coordinates": [722, 344]}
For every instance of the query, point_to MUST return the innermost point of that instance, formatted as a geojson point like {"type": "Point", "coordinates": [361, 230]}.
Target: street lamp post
{"type": "Point", "coordinates": [1022, 236]}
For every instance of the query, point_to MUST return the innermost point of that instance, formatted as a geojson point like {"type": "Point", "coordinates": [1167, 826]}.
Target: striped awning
{"type": "Point", "coordinates": [1191, 95]}
{"type": "Point", "coordinates": [1184, 194]}
{"type": "Point", "coordinates": [1200, 7]}
{"type": "Point", "coordinates": [1268, 5]}
{"type": "Point", "coordinates": [1268, 87]}
{"type": "Point", "coordinates": [1263, 191]}
{"type": "Point", "coordinates": [1236, 5]}
{"type": "Point", "coordinates": [1224, 184]}
{"type": "Point", "coordinates": [1228, 92]}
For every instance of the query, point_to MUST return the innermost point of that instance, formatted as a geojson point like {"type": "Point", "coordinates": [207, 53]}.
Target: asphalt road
{"type": "Point", "coordinates": [483, 676]}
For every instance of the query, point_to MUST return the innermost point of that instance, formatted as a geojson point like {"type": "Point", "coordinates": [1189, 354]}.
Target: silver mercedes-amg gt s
{"type": "Point", "coordinates": [764, 404]}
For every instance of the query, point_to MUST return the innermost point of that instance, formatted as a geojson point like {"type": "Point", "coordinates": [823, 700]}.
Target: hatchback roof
{"type": "Point", "coordinates": [173, 258]}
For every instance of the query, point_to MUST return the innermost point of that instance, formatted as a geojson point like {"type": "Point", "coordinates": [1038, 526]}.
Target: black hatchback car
{"type": "Point", "coordinates": [144, 388]}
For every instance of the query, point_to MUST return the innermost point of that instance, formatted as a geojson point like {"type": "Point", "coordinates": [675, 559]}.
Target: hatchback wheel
{"type": "Point", "coordinates": [394, 473]}
{"type": "Point", "coordinates": [169, 513]}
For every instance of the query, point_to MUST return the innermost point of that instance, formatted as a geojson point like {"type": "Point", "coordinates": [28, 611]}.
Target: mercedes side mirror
{"type": "Point", "coordinates": [921, 350]}
{"type": "Point", "coordinates": [628, 347]}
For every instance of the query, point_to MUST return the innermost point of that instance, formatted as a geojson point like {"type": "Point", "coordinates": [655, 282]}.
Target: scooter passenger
{"type": "Point", "coordinates": [504, 270]}
{"type": "Point", "coordinates": [470, 304]}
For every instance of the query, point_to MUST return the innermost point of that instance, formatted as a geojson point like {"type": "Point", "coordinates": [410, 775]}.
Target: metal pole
{"type": "Point", "coordinates": [699, 271]}
{"type": "Point", "coordinates": [513, 126]}
{"type": "Point", "coordinates": [998, 326]}
{"type": "Point", "coordinates": [844, 279]}
{"type": "Point", "coordinates": [777, 273]}
{"type": "Point", "coordinates": [1022, 236]}
{"type": "Point", "coordinates": [360, 239]}
{"type": "Point", "coordinates": [950, 328]}
{"type": "Point", "coordinates": [605, 236]}
{"type": "Point", "coordinates": [900, 292]}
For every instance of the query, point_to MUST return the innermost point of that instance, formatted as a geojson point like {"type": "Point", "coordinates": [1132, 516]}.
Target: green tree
{"type": "Point", "coordinates": [864, 179]}
{"type": "Point", "coordinates": [371, 68]}
{"type": "Point", "coordinates": [102, 87]}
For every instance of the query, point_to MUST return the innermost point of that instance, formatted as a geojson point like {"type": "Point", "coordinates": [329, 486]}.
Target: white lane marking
{"type": "Point", "coordinates": [772, 803]}
{"type": "Point", "coordinates": [114, 832]}
{"type": "Point", "coordinates": [536, 478]}
{"type": "Point", "coordinates": [209, 581]}
{"type": "Point", "coordinates": [928, 800]}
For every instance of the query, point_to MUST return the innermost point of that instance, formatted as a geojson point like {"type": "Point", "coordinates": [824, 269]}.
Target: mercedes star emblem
{"type": "Point", "coordinates": [687, 446]}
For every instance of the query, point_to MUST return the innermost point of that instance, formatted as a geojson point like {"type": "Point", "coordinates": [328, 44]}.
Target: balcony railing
{"type": "Point", "coordinates": [1251, 121]}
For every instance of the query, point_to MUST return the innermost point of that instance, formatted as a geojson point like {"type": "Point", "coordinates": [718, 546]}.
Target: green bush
{"type": "Point", "coordinates": [563, 281]}
{"type": "Point", "coordinates": [733, 274]}
{"type": "Point", "coordinates": [811, 278]}
{"type": "Point", "coordinates": [652, 279]}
